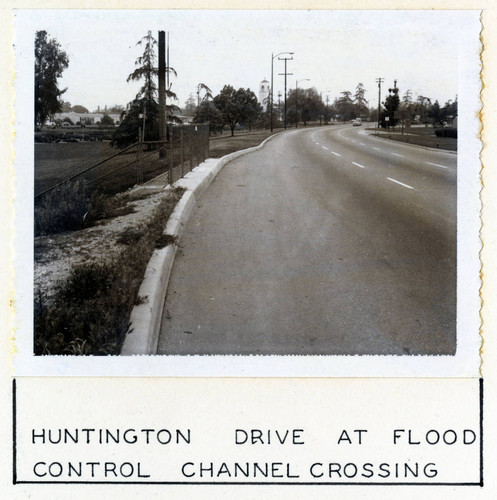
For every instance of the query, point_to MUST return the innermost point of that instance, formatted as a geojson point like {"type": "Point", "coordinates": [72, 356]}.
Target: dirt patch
{"type": "Point", "coordinates": [55, 255]}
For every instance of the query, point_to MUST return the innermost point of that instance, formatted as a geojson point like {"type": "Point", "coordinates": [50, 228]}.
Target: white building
{"type": "Point", "coordinates": [88, 118]}
{"type": "Point", "coordinates": [264, 94]}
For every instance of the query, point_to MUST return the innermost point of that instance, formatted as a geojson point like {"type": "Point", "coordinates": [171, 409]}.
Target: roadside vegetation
{"type": "Point", "coordinates": [73, 206]}
{"type": "Point", "coordinates": [425, 136]}
{"type": "Point", "coordinates": [89, 313]}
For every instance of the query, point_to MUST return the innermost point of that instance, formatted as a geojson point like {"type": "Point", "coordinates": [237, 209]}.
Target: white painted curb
{"type": "Point", "coordinates": [145, 318]}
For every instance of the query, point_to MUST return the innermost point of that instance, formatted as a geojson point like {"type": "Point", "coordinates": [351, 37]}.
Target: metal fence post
{"type": "Point", "coordinates": [139, 156]}
{"type": "Point", "coordinates": [169, 148]}
{"type": "Point", "coordinates": [181, 151]}
{"type": "Point", "coordinates": [191, 148]}
{"type": "Point", "coordinates": [206, 139]}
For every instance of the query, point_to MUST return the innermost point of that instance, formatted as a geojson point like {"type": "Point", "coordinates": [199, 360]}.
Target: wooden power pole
{"type": "Point", "coordinates": [162, 85]}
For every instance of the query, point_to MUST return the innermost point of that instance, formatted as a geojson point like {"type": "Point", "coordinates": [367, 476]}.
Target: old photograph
{"type": "Point", "coordinates": [207, 184]}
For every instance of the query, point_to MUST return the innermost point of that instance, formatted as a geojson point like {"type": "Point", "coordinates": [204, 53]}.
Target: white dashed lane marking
{"type": "Point", "coordinates": [336, 154]}
{"type": "Point", "coordinates": [377, 149]}
{"type": "Point", "coordinates": [400, 183]}
{"type": "Point", "coordinates": [324, 147]}
{"type": "Point", "coordinates": [435, 164]}
{"type": "Point", "coordinates": [358, 164]}
{"type": "Point", "coordinates": [396, 154]}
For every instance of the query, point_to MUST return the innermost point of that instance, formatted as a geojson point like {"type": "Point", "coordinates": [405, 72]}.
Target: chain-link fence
{"type": "Point", "coordinates": [185, 147]}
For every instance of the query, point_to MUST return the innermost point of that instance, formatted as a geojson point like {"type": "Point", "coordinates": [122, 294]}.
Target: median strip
{"type": "Point", "coordinates": [400, 183]}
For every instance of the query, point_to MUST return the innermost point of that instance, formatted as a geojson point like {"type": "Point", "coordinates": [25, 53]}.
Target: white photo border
{"type": "Point", "coordinates": [466, 362]}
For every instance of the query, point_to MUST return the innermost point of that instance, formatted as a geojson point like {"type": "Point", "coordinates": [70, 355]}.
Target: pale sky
{"type": "Point", "coordinates": [334, 49]}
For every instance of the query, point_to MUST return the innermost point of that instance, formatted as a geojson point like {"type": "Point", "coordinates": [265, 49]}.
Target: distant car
{"type": "Point", "coordinates": [356, 123]}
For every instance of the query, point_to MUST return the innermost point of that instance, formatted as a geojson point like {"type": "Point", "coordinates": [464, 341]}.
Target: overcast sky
{"type": "Point", "coordinates": [334, 49]}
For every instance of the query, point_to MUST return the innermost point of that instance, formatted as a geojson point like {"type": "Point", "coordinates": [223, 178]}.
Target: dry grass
{"type": "Point", "coordinates": [89, 314]}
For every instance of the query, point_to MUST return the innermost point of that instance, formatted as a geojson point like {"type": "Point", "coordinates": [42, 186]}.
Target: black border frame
{"type": "Point", "coordinates": [15, 480]}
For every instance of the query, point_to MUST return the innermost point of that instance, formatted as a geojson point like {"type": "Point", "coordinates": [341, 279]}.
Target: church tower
{"type": "Point", "coordinates": [264, 94]}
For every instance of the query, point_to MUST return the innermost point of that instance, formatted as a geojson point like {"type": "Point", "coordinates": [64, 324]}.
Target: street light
{"type": "Point", "coordinates": [297, 100]}
{"type": "Point", "coordinates": [271, 100]}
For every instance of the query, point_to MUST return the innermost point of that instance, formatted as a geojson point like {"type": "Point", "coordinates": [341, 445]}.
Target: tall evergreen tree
{"type": "Point", "coordinates": [143, 111]}
{"type": "Point", "coordinates": [50, 62]}
{"type": "Point", "coordinates": [391, 105]}
{"type": "Point", "coordinates": [361, 104]}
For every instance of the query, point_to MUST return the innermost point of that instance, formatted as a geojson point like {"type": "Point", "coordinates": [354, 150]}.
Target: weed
{"type": "Point", "coordinates": [141, 299]}
{"type": "Point", "coordinates": [164, 240]}
{"type": "Point", "coordinates": [130, 236]}
{"type": "Point", "coordinates": [63, 209]}
{"type": "Point", "coordinates": [103, 206]}
{"type": "Point", "coordinates": [91, 309]}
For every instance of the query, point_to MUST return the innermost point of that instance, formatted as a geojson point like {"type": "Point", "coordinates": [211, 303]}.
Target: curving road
{"type": "Point", "coordinates": [326, 241]}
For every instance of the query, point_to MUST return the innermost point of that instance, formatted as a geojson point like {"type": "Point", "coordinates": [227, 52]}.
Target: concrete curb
{"type": "Point", "coordinates": [145, 319]}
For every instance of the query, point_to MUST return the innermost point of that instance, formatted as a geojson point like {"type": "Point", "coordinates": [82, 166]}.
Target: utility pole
{"type": "Point", "coordinates": [162, 85]}
{"type": "Point", "coordinates": [168, 85]}
{"type": "Point", "coordinates": [286, 74]}
{"type": "Point", "coordinates": [379, 81]}
{"type": "Point", "coordinates": [271, 96]}
{"type": "Point", "coordinates": [271, 99]}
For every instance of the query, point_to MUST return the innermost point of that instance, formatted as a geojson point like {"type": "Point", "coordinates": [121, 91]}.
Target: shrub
{"type": "Point", "coordinates": [62, 209]}
{"type": "Point", "coordinates": [91, 309]}
{"type": "Point", "coordinates": [130, 236]}
{"type": "Point", "coordinates": [446, 132]}
{"type": "Point", "coordinates": [71, 207]}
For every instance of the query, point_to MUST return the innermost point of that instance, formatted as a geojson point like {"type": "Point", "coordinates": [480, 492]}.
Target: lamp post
{"type": "Point", "coordinates": [271, 99]}
{"type": "Point", "coordinates": [297, 100]}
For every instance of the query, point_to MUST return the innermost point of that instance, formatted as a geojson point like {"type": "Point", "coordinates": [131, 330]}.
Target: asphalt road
{"type": "Point", "coordinates": [325, 241]}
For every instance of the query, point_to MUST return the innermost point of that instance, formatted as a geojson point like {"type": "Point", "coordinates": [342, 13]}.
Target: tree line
{"type": "Point", "coordinates": [231, 107]}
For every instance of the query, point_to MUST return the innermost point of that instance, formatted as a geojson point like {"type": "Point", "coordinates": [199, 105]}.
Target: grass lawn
{"type": "Point", "coordinates": [420, 136]}
{"type": "Point", "coordinates": [56, 161]}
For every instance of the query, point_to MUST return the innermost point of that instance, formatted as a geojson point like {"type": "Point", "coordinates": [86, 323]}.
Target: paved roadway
{"type": "Point", "coordinates": [326, 241]}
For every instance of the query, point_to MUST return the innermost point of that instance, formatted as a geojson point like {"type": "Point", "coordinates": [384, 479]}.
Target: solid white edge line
{"type": "Point", "coordinates": [358, 164]}
{"type": "Point", "coordinates": [435, 164]}
{"type": "Point", "coordinates": [401, 183]}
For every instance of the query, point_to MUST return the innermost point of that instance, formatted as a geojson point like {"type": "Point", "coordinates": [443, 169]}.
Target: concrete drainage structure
{"type": "Point", "coordinates": [146, 317]}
